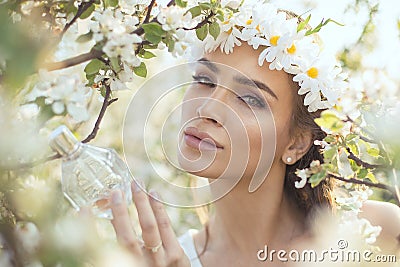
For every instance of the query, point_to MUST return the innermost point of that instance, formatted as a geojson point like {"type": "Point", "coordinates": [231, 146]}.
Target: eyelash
{"type": "Point", "coordinates": [204, 80]}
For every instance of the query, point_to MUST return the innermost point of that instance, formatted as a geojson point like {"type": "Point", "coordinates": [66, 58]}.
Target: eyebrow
{"type": "Point", "coordinates": [240, 79]}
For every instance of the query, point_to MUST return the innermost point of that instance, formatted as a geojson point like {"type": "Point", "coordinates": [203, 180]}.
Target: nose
{"type": "Point", "coordinates": [214, 107]}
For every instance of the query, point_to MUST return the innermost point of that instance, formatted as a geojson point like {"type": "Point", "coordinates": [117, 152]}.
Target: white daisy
{"type": "Point", "coordinates": [316, 77]}
{"type": "Point", "coordinates": [278, 33]}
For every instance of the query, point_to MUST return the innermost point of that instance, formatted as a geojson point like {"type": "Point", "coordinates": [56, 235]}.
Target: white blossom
{"type": "Point", "coordinates": [343, 164]}
{"type": "Point", "coordinates": [303, 174]}
{"type": "Point", "coordinates": [234, 4]}
{"type": "Point", "coordinates": [319, 76]}
{"type": "Point", "coordinates": [28, 236]}
{"type": "Point", "coordinates": [174, 17]}
{"type": "Point", "coordinates": [117, 29]}
{"type": "Point", "coordinates": [63, 92]}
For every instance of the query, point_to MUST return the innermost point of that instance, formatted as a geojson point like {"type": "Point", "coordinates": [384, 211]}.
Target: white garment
{"type": "Point", "coordinates": [187, 243]}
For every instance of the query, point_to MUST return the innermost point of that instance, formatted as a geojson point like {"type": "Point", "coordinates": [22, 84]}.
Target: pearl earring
{"type": "Point", "coordinates": [289, 159]}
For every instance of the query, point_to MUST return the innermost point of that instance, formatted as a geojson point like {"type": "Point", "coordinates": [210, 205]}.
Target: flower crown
{"type": "Point", "coordinates": [288, 46]}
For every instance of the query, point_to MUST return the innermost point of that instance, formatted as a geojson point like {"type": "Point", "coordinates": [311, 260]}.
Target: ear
{"type": "Point", "coordinates": [297, 147]}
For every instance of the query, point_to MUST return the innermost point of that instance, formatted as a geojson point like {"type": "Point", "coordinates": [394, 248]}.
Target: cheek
{"type": "Point", "coordinates": [282, 135]}
{"type": "Point", "coordinates": [256, 143]}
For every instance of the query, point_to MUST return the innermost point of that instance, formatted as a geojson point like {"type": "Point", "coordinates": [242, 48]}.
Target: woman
{"type": "Point", "coordinates": [220, 104]}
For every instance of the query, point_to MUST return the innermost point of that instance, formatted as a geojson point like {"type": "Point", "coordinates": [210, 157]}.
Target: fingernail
{"type": "Point", "coordinates": [116, 197]}
{"type": "Point", "coordinates": [138, 185]}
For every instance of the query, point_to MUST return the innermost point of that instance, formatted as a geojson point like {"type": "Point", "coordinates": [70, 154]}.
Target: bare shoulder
{"type": "Point", "coordinates": [386, 215]}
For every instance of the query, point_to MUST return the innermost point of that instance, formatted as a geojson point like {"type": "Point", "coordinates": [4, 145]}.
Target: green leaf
{"type": "Point", "coordinates": [103, 91]}
{"type": "Point", "coordinates": [171, 44]}
{"type": "Point", "coordinates": [195, 11]}
{"type": "Point", "coordinates": [110, 3]}
{"type": "Point", "coordinates": [350, 137]}
{"type": "Point", "coordinates": [70, 8]}
{"type": "Point", "coordinates": [220, 15]}
{"type": "Point", "coordinates": [115, 64]}
{"type": "Point", "coordinates": [329, 120]}
{"type": "Point", "coordinates": [317, 178]}
{"type": "Point", "coordinates": [353, 148]}
{"type": "Point", "coordinates": [202, 32]}
{"type": "Point", "coordinates": [214, 30]}
{"type": "Point", "coordinates": [330, 153]}
{"type": "Point", "coordinates": [87, 12]}
{"type": "Point", "coordinates": [181, 3]}
{"type": "Point", "coordinates": [85, 37]}
{"type": "Point", "coordinates": [303, 23]}
{"type": "Point", "coordinates": [330, 139]}
{"type": "Point", "coordinates": [204, 6]}
{"type": "Point", "coordinates": [374, 152]}
{"type": "Point", "coordinates": [148, 54]}
{"type": "Point", "coordinates": [153, 32]}
{"type": "Point", "coordinates": [371, 177]}
{"type": "Point", "coordinates": [362, 173]}
{"type": "Point", "coordinates": [94, 66]}
{"type": "Point", "coordinates": [141, 71]}
{"type": "Point", "coordinates": [321, 24]}
{"type": "Point", "coordinates": [152, 38]}
{"type": "Point", "coordinates": [153, 28]}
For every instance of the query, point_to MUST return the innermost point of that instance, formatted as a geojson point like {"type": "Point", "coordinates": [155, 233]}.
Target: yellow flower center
{"type": "Point", "coordinates": [312, 72]}
{"type": "Point", "coordinates": [291, 50]}
{"type": "Point", "coordinates": [249, 21]}
{"type": "Point", "coordinates": [225, 22]}
{"type": "Point", "coordinates": [274, 40]}
{"type": "Point", "coordinates": [229, 31]}
{"type": "Point", "coordinates": [258, 28]}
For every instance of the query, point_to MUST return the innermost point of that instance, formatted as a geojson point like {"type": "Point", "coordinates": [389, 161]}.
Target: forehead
{"type": "Point", "coordinates": [244, 60]}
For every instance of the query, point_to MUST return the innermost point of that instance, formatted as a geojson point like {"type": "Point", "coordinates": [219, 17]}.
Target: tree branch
{"type": "Point", "coordinates": [389, 188]}
{"type": "Point", "coordinates": [201, 23]}
{"type": "Point", "coordinates": [149, 8]}
{"type": "Point", "coordinates": [103, 109]}
{"type": "Point", "coordinates": [70, 62]}
{"type": "Point", "coordinates": [82, 8]}
{"type": "Point", "coordinates": [360, 162]}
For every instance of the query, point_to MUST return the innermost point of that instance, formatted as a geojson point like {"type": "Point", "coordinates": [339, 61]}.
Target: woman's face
{"type": "Point", "coordinates": [227, 126]}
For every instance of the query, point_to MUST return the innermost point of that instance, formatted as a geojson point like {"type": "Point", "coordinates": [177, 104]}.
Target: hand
{"type": "Point", "coordinates": [161, 247]}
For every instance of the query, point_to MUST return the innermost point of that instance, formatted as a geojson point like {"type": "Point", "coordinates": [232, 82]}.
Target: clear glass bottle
{"type": "Point", "coordinates": [90, 173]}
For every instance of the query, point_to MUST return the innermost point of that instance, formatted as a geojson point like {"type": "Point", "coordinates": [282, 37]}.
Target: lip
{"type": "Point", "coordinates": [200, 140]}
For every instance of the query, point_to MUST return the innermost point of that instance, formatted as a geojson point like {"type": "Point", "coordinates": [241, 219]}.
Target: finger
{"type": "Point", "coordinates": [85, 212]}
{"type": "Point", "coordinates": [167, 233]}
{"type": "Point", "coordinates": [121, 222]}
{"type": "Point", "coordinates": [147, 220]}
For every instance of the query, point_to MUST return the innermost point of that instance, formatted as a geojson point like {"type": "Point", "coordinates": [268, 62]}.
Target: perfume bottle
{"type": "Point", "coordinates": [90, 173]}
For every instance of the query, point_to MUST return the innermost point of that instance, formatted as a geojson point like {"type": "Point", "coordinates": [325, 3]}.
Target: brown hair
{"type": "Point", "coordinates": [306, 198]}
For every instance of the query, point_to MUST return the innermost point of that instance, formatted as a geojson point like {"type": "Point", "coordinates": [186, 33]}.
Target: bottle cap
{"type": "Point", "coordinates": [63, 141]}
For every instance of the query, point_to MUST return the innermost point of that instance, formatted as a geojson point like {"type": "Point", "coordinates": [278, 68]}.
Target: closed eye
{"type": "Point", "coordinates": [201, 79]}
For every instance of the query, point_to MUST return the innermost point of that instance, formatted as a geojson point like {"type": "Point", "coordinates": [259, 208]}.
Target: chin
{"type": "Point", "coordinates": [203, 167]}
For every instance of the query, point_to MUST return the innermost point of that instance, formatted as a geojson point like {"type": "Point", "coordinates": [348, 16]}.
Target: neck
{"type": "Point", "coordinates": [248, 221]}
